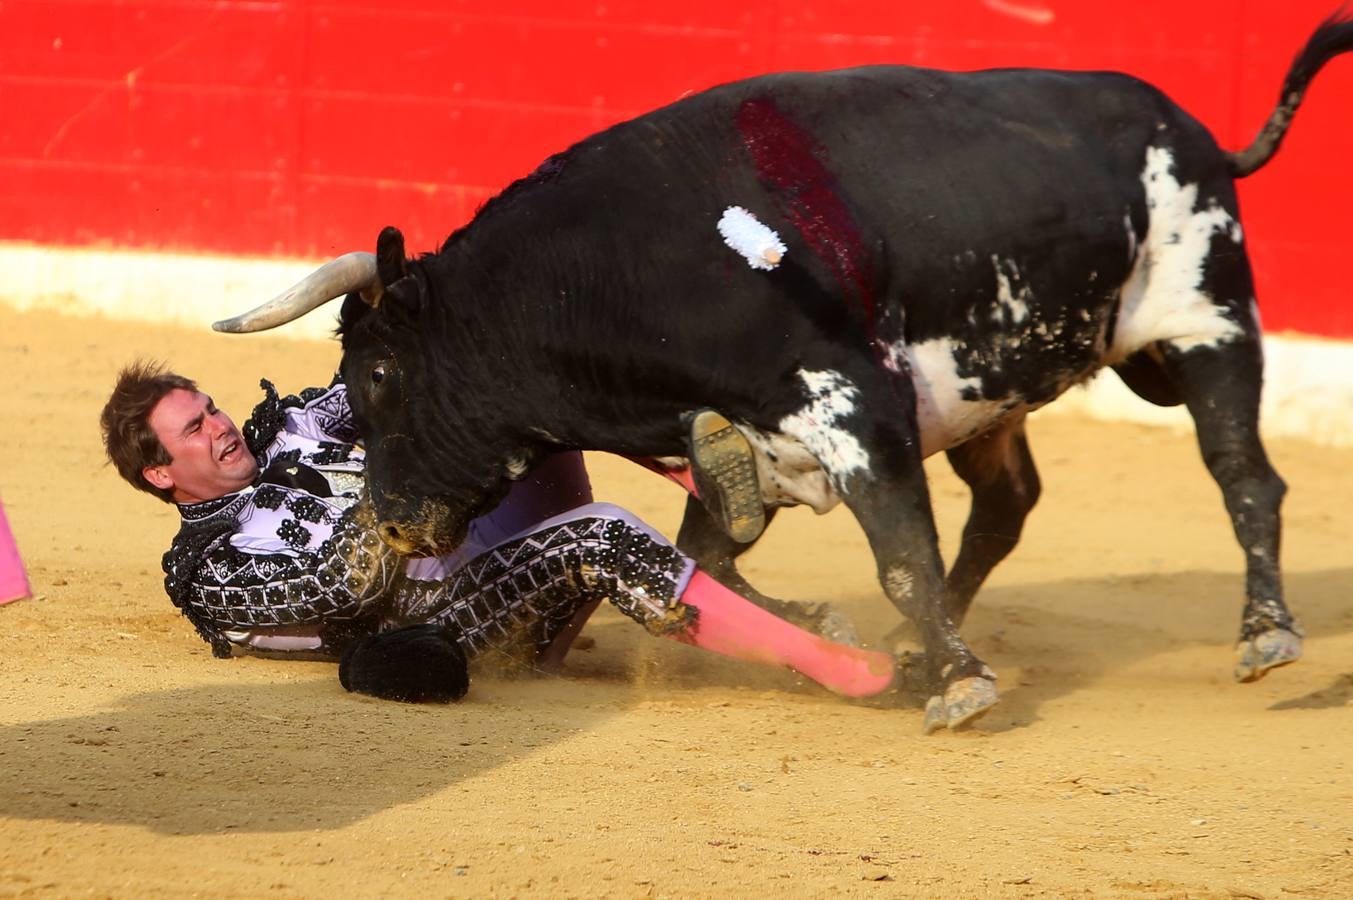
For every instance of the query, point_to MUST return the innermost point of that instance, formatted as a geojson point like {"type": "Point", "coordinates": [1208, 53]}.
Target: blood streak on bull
{"type": "Point", "coordinates": [789, 162]}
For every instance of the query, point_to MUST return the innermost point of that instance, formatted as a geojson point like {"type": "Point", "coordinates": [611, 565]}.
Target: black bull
{"type": "Point", "coordinates": [960, 249]}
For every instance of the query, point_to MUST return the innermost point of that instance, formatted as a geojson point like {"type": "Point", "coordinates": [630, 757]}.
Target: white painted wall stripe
{"type": "Point", "coordinates": [188, 290]}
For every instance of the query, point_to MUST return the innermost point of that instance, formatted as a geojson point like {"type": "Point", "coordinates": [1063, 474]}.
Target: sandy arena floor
{"type": "Point", "coordinates": [1123, 761]}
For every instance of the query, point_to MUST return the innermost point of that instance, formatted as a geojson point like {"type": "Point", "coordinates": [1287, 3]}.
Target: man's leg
{"type": "Point", "coordinates": [599, 550]}
{"type": "Point", "coordinates": [551, 651]}
{"type": "Point", "coordinates": [724, 470]}
{"type": "Point", "coordinates": [731, 625]}
{"type": "Point", "coordinates": [721, 474]}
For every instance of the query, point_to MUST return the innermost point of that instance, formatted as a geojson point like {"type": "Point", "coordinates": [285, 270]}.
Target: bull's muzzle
{"type": "Point", "coordinates": [407, 540]}
{"type": "Point", "coordinates": [432, 531]}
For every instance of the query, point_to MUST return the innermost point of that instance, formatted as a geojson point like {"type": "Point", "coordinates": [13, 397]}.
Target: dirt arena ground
{"type": "Point", "coordinates": [1122, 761]}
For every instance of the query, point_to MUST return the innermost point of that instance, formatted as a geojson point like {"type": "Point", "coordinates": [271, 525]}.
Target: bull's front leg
{"type": "Point", "coordinates": [871, 451]}
{"type": "Point", "coordinates": [893, 509]}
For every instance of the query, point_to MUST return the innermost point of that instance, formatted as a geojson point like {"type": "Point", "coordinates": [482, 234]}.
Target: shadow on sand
{"type": "Point", "coordinates": [1065, 636]}
{"type": "Point", "coordinates": [219, 757]}
{"type": "Point", "coordinates": [160, 759]}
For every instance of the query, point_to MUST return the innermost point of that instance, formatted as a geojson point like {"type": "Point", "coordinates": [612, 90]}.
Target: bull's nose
{"type": "Point", "coordinates": [394, 536]}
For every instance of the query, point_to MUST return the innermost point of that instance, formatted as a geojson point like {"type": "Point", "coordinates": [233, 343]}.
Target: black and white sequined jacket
{"type": "Point", "coordinates": [279, 566]}
{"type": "Point", "coordinates": [292, 566]}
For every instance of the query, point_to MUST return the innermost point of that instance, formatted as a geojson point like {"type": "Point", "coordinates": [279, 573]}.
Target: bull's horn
{"type": "Point", "coordinates": [336, 278]}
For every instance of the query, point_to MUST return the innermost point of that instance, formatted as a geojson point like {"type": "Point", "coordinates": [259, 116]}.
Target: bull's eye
{"type": "Point", "coordinates": [377, 374]}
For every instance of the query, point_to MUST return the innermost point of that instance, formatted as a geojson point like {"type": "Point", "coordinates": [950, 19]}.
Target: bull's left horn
{"type": "Point", "coordinates": [336, 278]}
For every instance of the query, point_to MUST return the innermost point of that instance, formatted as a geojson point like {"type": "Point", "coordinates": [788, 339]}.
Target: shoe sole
{"type": "Point", "coordinates": [725, 472]}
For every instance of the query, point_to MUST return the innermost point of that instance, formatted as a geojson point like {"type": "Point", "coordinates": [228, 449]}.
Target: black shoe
{"type": "Point", "coordinates": [724, 471]}
{"type": "Point", "coordinates": [415, 664]}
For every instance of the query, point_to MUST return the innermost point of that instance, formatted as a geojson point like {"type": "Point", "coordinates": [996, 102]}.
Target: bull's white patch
{"type": "Point", "coordinates": [943, 415]}
{"type": "Point", "coordinates": [893, 356]}
{"type": "Point", "coordinates": [806, 460]}
{"type": "Point", "coordinates": [745, 233]}
{"type": "Point", "coordinates": [832, 398]}
{"type": "Point", "coordinates": [1011, 305]}
{"type": "Point", "coordinates": [1162, 298]}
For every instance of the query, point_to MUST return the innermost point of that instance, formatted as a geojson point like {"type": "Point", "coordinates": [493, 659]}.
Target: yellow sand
{"type": "Point", "coordinates": [1122, 760]}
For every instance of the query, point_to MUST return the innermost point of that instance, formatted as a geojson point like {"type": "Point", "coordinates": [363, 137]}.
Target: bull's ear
{"type": "Point", "coordinates": [389, 265]}
{"type": "Point", "coordinates": [390, 256]}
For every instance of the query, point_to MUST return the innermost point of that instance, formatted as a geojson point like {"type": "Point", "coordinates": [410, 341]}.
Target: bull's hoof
{"type": "Point", "coordinates": [963, 702]}
{"type": "Point", "coordinates": [1275, 647]}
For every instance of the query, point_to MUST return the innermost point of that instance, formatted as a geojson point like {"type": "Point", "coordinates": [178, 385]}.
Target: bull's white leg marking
{"type": "Point", "coordinates": [1162, 299]}
{"type": "Point", "coordinates": [831, 399]}
{"type": "Point", "coordinates": [899, 582]}
{"type": "Point", "coordinates": [806, 459]}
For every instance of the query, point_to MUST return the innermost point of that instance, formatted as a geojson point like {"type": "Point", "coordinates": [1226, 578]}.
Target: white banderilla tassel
{"type": "Point", "coordinates": [758, 244]}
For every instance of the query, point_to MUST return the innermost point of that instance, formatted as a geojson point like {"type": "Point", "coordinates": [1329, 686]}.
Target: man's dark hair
{"type": "Point", "coordinates": [128, 439]}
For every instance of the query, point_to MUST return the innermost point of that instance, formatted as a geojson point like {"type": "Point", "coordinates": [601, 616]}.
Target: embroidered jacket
{"type": "Point", "coordinates": [279, 566]}
{"type": "Point", "coordinates": [291, 565]}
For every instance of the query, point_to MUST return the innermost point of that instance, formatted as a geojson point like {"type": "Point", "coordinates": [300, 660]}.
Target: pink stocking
{"type": "Point", "coordinates": [681, 476]}
{"type": "Point", "coordinates": [729, 624]}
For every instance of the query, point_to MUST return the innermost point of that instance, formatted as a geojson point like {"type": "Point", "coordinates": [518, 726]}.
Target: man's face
{"type": "Point", "coordinates": [209, 456]}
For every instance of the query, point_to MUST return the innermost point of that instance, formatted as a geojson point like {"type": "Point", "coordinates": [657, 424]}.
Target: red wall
{"type": "Point", "coordinates": [300, 127]}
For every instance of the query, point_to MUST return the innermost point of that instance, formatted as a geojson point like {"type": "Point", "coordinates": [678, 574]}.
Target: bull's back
{"type": "Point", "coordinates": [912, 178]}
{"type": "Point", "coordinates": [959, 207]}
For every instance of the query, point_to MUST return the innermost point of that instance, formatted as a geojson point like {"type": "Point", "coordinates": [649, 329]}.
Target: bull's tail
{"type": "Point", "coordinates": [1333, 37]}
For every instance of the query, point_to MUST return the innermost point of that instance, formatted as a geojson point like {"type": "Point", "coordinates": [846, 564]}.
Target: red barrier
{"type": "Point", "coordinates": [299, 127]}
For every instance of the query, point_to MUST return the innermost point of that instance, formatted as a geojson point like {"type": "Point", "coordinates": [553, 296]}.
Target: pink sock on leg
{"type": "Point", "coordinates": [729, 624]}
{"type": "Point", "coordinates": [681, 476]}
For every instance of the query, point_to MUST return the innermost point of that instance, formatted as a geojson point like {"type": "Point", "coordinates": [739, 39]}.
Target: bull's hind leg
{"type": "Point", "coordinates": [999, 469]}
{"type": "Point", "coordinates": [1220, 385]}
